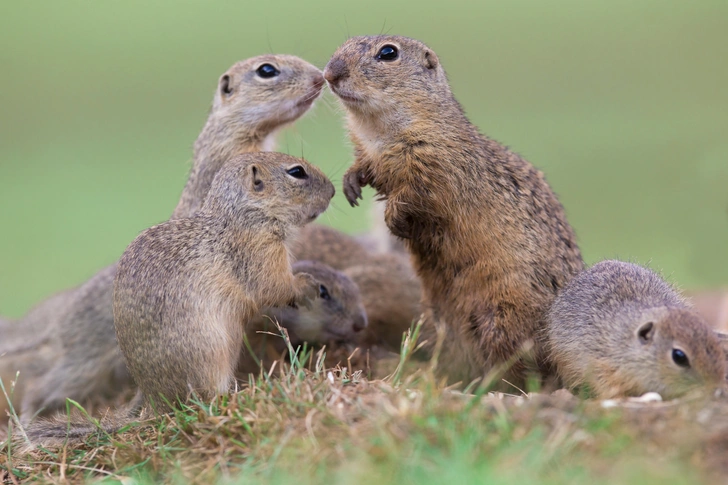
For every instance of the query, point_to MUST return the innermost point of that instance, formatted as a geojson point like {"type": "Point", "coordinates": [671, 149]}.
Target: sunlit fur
{"type": "Point", "coordinates": [594, 335]}
{"type": "Point", "coordinates": [489, 239]}
{"type": "Point", "coordinates": [77, 326]}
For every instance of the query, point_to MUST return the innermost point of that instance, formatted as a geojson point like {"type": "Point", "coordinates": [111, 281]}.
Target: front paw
{"type": "Point", "coordinates": [307, 290]}
{"type": "Point", "coordinates": [353, 182]}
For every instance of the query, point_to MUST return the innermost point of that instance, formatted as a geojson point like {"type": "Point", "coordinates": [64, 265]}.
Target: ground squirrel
{"type": "Point", "coordinates": [254, 98]}
{"type": "Point", "coordinates": [621, 330]}
{"type": "Point", "coordinates": [336, 315]}
{"type": "Point", "coordinates": [185, 289]}
{"type": "Point", "coordinates": [489, 239]}
{"type": "Point", "coordinates": [389, 287]}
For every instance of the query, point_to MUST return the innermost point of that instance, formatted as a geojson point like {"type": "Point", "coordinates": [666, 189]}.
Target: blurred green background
{"type": "Point", "coordinates": [624, 105]}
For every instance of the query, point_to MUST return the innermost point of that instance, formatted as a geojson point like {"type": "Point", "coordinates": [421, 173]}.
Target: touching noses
{"type": "Point", "coordinates": [335, 71]}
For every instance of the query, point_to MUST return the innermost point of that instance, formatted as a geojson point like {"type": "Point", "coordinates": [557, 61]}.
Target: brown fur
{"type": "Point", "coordinates": [185, 289]}
{"type": "Point", "coordinates": [390, 290]}
{"type": "Point", "coordinates": [391, 294]}
{"type": "Point", "coordinates": [83, 357]}
{"type": "Point", "coordinates": [336, 315]}
{"type": "Point", "coordinates": [614, 328]}
{"type": "Point", "coordinates": [329, 246]}
{"type": "Point", "coordinates": [489, 239]}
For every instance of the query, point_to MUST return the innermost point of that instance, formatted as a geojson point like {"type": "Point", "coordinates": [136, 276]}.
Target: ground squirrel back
{"type": "Point", "coordinates": [620, 329]}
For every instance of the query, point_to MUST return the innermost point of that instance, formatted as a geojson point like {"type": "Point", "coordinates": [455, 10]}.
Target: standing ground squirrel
{"type": "Point", "coordinates": [253, 100]}
{"type": "Point", "coordinates": [185, 289]}
{"type": "Point", "coordinates": [621, 330]}
{"type": "Point", "coordinates": [489, 239]}
{"type": "Point", "coordinates": [336, 315]}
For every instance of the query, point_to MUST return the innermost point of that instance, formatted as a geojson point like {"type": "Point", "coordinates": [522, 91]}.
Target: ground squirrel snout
{"type": "Point", "coordinates": [620, 329]}
{"type": "Point", "coordinates": [185, 289]}
{"type": "Point", "coordinates": [489, 239]}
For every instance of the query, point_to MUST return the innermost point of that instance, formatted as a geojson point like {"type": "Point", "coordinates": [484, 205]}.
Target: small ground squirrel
{"type": "Point", "coordinates": [389, 287]}
{"type": "Point", "coordinates": [185, 289]}
{"type": "Point", "coordinates": [621, 330]}
{"type": "Point", "coordinates": [489, 239]}
{"type": "Point", "coordinates": [336, 315]}
{"type": "Point", "coordinates": [254, 98]}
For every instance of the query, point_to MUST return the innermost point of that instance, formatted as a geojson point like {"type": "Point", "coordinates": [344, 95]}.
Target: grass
{"type": "Point", "coordinates": [314, 424]}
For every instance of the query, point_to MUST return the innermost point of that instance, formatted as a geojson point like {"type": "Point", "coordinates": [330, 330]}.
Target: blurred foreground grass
{"type": "Point", "coordinates": [623, 104]}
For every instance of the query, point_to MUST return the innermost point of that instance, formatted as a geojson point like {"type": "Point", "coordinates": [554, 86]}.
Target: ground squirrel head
{"type": "Point", "coordinates": [383, 76]}
{"type": "Point", "coordinates": [272, 186]}
{"type": "Point", "coordinates": [337, 314]}
{"type": "Point", "coordinates": [266, 92]}
{"type": "Point", "coordinates": [676, 352]}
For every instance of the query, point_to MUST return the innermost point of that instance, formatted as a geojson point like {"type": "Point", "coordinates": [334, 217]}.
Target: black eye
{"type": "Point", "coordinates": [388, 53]}
{"type": "Point", "coordinates": [266, 71]}
{"type": "Point", "coordinates": [297, 172]}
{"type": "Point", "coordinates": [225, 85]}
{"type": "Point", "coordinates": [324, 293]}
{"type": "Point", "coordinates": [679, 357]}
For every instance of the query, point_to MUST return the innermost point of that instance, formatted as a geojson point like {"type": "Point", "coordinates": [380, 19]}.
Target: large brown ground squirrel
{"type": "Point", "coordinates": [621, 330]}
{"type": "Point", "coordinates": [337, 314]}
{"type": "Point", "coordinates": [489, 239]}
{"type": "Point", "coordinates": [253, 100]}
{"type": "Point", "coordinates": [185, 289]}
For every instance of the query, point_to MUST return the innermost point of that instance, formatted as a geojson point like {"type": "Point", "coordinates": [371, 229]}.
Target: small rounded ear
{"type": "Point", "coordinates": [225, 88]}
{"type": "Point", "coordinates": [431, 60]}
{"type": "Point", "coordinates": [255, 176]}
{"type": "Point", "coordinates": [646, 332]}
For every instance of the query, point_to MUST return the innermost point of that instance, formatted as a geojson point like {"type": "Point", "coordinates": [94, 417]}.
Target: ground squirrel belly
{"type": "Point", "coordinates": [337, 314]}
{"type": "Point", "coordinates": [253, 100]}
{"type": "Point", "coordinates": [489, 239]}
{"type": "Point", "coordinates": [621, 330]}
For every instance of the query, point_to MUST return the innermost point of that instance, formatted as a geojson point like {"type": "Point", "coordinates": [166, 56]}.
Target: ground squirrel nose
{"type": "Point", "coordinates": [335, 70]}
{"type": "Point", "coordinates": [360, 324]}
